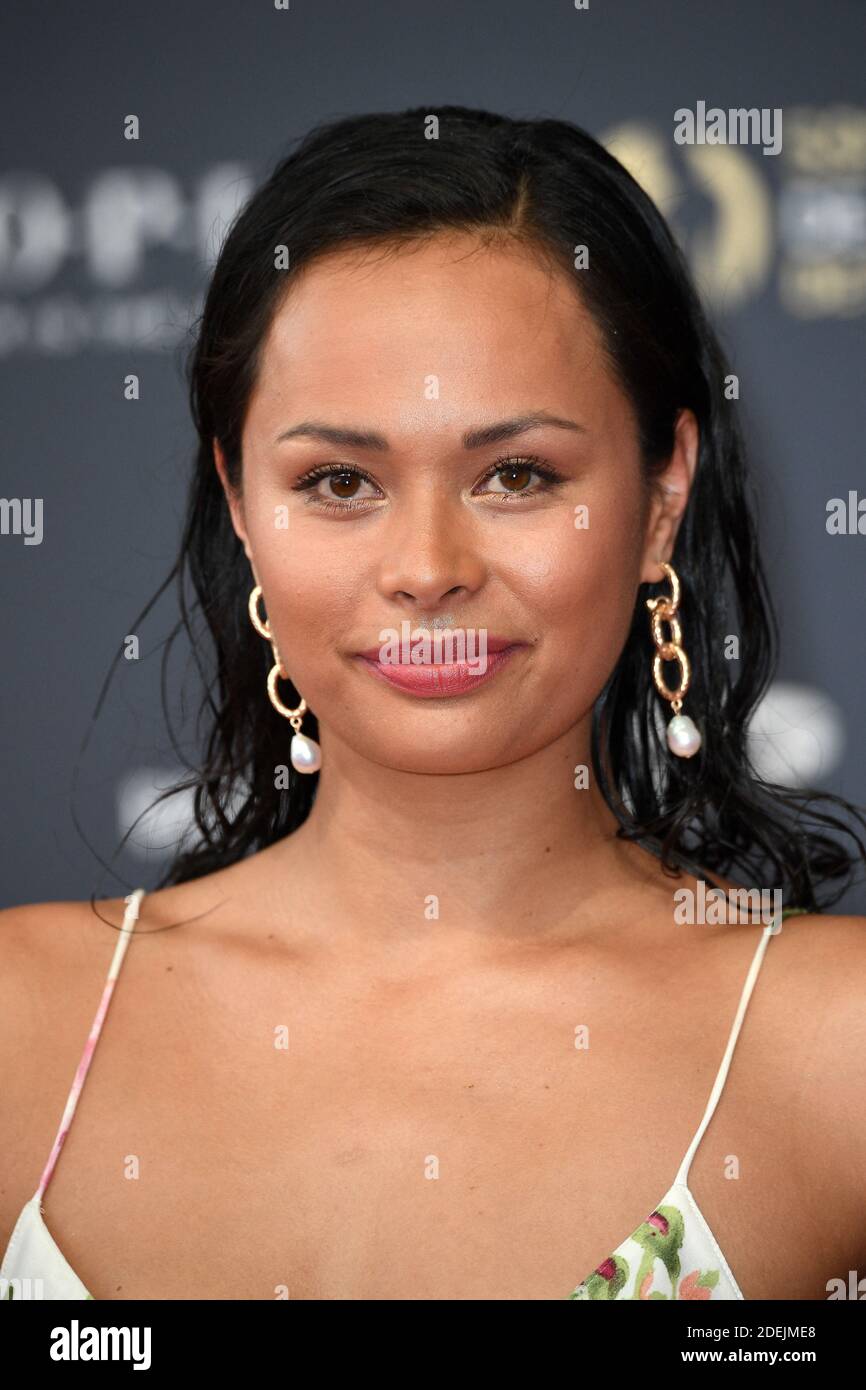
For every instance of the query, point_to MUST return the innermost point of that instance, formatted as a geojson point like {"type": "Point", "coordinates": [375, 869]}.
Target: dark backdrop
{"type": "Point", "coordinates": [106, 244]}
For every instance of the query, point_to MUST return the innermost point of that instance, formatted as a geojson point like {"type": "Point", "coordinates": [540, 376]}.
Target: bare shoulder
{"type": "Point", "coordinates": [48, 950]}
{"type": "Point", "coordinates": [52, 954]}
{"type": "Point", "coordinates": [54, 957]}
{"type": "Point", "coordinates": [819, 1006]}
{"type": "Point", "coordinates": [45, 946]}
{"type": "Point", "coordinates": [825, 954]}
{"type": "Point", "coordinates": [820, 968]}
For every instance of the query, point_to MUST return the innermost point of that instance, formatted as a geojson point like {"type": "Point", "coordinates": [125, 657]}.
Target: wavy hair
{"type": "Point", "coordinates": [378, 181]}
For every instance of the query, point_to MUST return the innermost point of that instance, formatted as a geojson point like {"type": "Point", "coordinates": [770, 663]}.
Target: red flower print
{"type": "Point", "coordinates": [656, 1219]}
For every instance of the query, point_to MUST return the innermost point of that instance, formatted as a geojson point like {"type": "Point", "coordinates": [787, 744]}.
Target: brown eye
{"type": "Point", "coordinates": [343, 484]}
{"type": "Point", "coordinates": [515, 476]}
{"type": "Point", "coordinates": [335, 488]}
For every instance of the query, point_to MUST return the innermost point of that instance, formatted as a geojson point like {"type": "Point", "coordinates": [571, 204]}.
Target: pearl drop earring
{"type": "Point", "coordinates": [305, 753]}
{"type": "Point", "coordinates": [683, 737]}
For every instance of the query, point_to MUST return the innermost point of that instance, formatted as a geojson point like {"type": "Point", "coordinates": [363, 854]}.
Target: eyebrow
{"type": "Point", "coordinates": [479, 438]}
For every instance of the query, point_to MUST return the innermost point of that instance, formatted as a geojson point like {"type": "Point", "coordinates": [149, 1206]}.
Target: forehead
{"type": "Point", "coordinates": [443, 329]}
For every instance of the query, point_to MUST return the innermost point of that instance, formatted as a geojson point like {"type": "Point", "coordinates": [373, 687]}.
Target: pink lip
{"type": "Point", "coordinates": [492, 644]}
{"type": "Point", "coordinates": [430, 681]}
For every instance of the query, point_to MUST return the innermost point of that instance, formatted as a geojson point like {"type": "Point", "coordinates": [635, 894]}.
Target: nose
{"type": "Point", "coordinates": [431, 557]}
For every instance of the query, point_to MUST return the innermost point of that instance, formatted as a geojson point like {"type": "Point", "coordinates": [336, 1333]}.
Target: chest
{"type": "Point", "coordinates": [385, 1143]}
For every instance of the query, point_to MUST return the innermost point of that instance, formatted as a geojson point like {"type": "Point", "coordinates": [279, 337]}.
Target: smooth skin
{"type": "Point", "coordinates": [431, 1131]}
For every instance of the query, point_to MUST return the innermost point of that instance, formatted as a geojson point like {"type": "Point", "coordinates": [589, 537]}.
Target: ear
{"type": "Point", "coordinates": [670, 495]}
{"type": "Point", "coordinates": [235, 502]}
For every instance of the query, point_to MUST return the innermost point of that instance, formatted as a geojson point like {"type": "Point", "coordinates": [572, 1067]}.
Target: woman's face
{"type": "Point", "coordinates": [421, 349]}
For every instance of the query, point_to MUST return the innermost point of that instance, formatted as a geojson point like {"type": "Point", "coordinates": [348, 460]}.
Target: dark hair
{"type": "Point", "coordinates": [379, 181]}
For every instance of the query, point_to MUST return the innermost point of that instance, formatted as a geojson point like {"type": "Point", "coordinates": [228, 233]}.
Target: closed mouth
{"type": "Point", "coordinates": [433, 680]}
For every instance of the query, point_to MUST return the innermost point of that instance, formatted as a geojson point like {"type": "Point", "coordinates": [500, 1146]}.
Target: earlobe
{"type": "Point", "coordinates": [658, 538]}
{"type": "Point", "coordinates": [659, 549]}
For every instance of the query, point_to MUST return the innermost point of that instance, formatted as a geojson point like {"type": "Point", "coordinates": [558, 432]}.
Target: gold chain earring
{"type": "Point", "coordinates": [305, 753]}
{"type": "Point", "coordinates": [682, 734]}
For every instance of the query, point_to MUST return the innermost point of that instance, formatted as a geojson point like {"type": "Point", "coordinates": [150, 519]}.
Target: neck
{"type": "Point", "coordinates": [512, 852]}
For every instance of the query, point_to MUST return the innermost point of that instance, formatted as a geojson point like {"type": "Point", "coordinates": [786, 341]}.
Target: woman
{"type": "Point", "coordinates": [434, 1007]}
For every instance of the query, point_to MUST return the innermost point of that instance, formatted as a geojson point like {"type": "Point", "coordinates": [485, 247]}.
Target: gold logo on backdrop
{"type": "Point", "coordinates": [731, 258]}
{"type": "Point", "coordinates": [805, 220]}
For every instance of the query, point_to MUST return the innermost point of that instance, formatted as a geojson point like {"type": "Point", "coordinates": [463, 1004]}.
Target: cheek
{"type": "Point", "coordinates": [577, 575]}
{"type": "Point", "coordinates": [580, 592]}
{"type": "Point", "coordinates": [311, 592]}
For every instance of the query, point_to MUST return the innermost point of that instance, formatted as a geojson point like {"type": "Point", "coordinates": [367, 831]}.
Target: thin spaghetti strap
{"type": "Point", "coordinates": [130, 917]}
{"type": "Point", "coordinates": [757, 960]}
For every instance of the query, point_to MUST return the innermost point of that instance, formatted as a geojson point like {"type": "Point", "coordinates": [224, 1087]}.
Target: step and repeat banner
{"type": "Point", "coordinates": [131, 137]}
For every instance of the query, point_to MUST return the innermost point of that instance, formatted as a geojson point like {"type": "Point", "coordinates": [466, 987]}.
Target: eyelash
{"type": "Point", "coordinates": [551, 478]}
